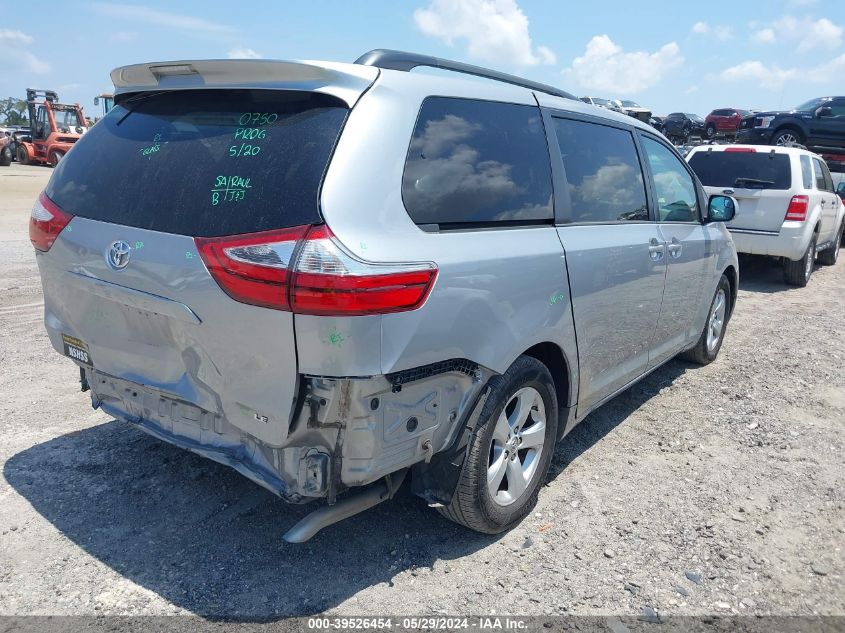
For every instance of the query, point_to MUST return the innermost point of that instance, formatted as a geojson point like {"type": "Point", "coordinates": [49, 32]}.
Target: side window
{"type": "Point", "coordinates": [828, 179]}
{"type": "Point", "coordinates": [603, 172]}
{"type": "Point", "coordinates": [675, 188]}
{"type": "Point", "coordinates": [838, 107]}
{"type": "Point", "coordinates": [817, 169]}
{"type": "Point", "coordinates": [806, 172]}
{"type": "Point", "coordinates": [475, 161]}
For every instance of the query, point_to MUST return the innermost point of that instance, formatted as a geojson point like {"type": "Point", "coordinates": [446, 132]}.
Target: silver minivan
{"type": "Point", "coordinates": [333, 277]}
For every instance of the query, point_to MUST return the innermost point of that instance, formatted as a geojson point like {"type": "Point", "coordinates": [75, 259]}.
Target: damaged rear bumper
{"type": "Point", "coordinates": [345, 432]}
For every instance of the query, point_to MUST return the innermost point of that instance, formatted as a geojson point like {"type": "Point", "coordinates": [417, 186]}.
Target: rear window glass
{"type": "Point", "coordinates": [473, 162]}
{"type": "Point", "coordinates": [203, 163]}
{"type": "Point", "coordinates": [751, 170]}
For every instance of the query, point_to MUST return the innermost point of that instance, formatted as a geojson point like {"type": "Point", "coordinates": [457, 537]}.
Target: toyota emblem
{"type": "Point", "coordinates": [118, 254]}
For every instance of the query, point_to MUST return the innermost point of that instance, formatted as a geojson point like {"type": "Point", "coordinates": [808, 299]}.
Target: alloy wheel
{"type": "Point", "coordinates": [717, 320]}
{"type": "Point", "coordinates": [518, 439]}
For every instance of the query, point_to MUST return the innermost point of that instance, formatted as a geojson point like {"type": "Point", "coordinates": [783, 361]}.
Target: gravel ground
{"type": "Point", "coordinates": [714, 490]}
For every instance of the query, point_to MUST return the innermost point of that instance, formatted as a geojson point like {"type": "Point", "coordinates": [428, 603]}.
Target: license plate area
{"type": "Point", "coordinates": [77, 350]}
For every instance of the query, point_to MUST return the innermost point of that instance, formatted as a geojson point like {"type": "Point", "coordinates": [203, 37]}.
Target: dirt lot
{"type": "Point", "coordinates": [710, 490]}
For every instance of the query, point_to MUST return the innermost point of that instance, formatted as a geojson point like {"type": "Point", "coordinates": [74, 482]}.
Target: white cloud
{"type": "Point", "coordinates": [807, 32]}
{"type": "Point", "coordinates": [241, 52]}
{"type": "Point", "coordinates": [496, 31]}
{"type": "Point", "coordinates": [15, 57]}
{"type": "Point", "coordinates": [15, 36]}
{"type": "Point", "coordinates": [121, 37]}
{"type": "Point", "coordinates": [720, 32]}
{"type": "Point", "coordinates": [773, 77]}
{"type": "Point", "coordinates": [606, 67]}
{"type": "Point", "coordinates": [691, 90]}
{"type": "Point", "coordinates": [138, 13]}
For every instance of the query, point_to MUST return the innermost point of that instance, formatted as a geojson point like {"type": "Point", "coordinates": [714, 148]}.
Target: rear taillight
{"type": "Point", "coordinates": [252, 268]}
{"type": "Point", "coordinates": [325, 279]}
{"type": "Point", "coordinates": [797, 209]}
{"type": "Point", "coordinates": [46, 222]}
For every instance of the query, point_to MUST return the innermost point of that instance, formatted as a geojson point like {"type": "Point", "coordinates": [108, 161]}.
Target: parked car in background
{"type": "Point", "coordinates": [634, 109]}
{"type": "Point", "coordinates": [267, 318]}
{"type": "Point", "coordinates": [679, 127]}
{"type": "Point", "coordinates": [788, 207]}
{"type": "Point", "coordinates": [724, 121]}
{"type": "Point", "coordinates": [819, 124]}
{"type": "Point", "coordinates": [5, 152]}
{"type": "Point", "coordinates": [656, 122]}
{"type": "Point", "coordinates": [607, 104]}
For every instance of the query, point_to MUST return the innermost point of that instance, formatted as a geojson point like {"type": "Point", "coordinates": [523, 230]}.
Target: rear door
{"type": "Point", "coordinates": [125, 277]}
{"type": "Point", "coordinates": [828, 200]}
{"type": "Point", "coordinates": [616, 257]}
{"type": "Point", "coordinates": [759, 181]}
{"type": "Point", "coordinates": [690, 255]}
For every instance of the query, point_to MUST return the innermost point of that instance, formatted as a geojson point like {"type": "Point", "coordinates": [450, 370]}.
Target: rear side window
{"type": "Point", "coordinates": [203, 163]}
{"type": "Point", "coordinates": [751, 170]}
{"type": "Point", "coordinates": [473, 162]}
{"type": "Point", "coordinates": [821, 185]}
{"type": "Point", "coordinates": [602, 171]}
{"type": "Point", "coordinates": [806, 172]}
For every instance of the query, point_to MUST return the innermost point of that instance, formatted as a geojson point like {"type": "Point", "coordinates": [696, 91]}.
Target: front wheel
{"type": "Point", "coordinates": [787, 137]}
{"type": "Point", "coordinates": [23, 155]}
{"type": "Point", "coordinates": [710, 342]}
{"type": "Point", "coordinates": [798, 273]}
{"type": "Point", "coordinates": [509, 453]}
{"type": "Point", "coordinates": [710, 130]}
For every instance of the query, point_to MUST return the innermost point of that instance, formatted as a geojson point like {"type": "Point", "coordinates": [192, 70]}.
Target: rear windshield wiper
{"type": "Point", "coordinates": [753, 183]}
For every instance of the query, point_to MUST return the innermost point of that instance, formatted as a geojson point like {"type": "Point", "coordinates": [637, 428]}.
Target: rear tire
{"type": "Point", "coordinates": [509, 452]}
{"type": "Point", "coordinates": [707, 348]}
{"type": "Point", "coordinates": [829, 256]}
{"type": "Point", "coordinates": [23, 155]}
{"type": "Point", "coordinates": [799, 273]}
{"type": "Point", "coordinates": [5, 157]}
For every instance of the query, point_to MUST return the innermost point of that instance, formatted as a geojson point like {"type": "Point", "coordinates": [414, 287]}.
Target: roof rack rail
{"type": "Point", "coordinates": [400, 60]}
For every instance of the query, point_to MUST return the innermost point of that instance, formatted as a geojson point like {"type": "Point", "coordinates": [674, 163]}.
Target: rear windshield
{"type": "Point", "coordinates": [203, 163]}
{"type": "Point", "coordinates": [751, 170]}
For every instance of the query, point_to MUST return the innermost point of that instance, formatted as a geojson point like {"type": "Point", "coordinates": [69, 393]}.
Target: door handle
{"type": "Point", "coordinates": [656, 250]}
{"type": "Point", "coordinates": [675, 248]}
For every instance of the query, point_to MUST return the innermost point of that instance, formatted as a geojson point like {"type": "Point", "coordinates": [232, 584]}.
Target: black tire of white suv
{"type": "Point", "coordinates": [473, 505]}
{"type": "Point", "coordinates": [829, 256]}
{"type": "Point", "coordinates": [798, 273]}
{"type": "Point", "coordinates": [704, 353]}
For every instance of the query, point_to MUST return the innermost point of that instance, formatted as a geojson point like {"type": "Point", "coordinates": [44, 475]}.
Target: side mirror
{"type": "Point", "coordinates": [824, 111]}
{"type": "Point", "coordinates": [96, 101]}
{"type": "Point", "coordinates": [721, 209]}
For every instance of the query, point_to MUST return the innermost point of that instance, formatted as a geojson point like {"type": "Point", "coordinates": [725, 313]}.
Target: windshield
{"type": "Point", "coordinates": [694, 117]}
{"type": "Point", "coordinates": [67, 118]}
{"type": "Point", "coordinates": [631, 104]}
{"type": "Point", "coordinates": [747, 170]}
{"type": "Point", "coordinates": [812, 104]}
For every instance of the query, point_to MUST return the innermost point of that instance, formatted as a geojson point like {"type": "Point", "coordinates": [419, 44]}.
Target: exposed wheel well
{"type": "Point", "coordinates": [730, 273]}
{"type": "Point", "coordinates": [552, 357]}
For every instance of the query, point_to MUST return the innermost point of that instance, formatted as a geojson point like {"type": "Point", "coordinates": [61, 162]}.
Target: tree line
{"type": "Point", "coordinates": [13, 111]}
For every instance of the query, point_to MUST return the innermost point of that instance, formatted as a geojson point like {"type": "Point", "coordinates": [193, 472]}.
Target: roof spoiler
{"type": "Point", "coordinates": [344, 81]}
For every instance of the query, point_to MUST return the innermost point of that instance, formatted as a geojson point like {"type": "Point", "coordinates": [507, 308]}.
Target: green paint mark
{"type": "Point", "coordinates": [139, 245]}
{"type": "Point", "coordinates": [336, 338]}
{"type": "Point", "coordinates": [556, 297]}
{"type": "Point", "coordinates": [363, 246]}
{"type": "Point", "coordinates": [189, 255]}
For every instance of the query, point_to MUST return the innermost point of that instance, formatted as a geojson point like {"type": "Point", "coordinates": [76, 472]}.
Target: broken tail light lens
{"type": "Point", "coordinates": [46, 221]}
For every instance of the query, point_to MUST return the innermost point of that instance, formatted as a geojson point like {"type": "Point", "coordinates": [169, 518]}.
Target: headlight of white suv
{"type": "Point", "coordinates": [764, 121]}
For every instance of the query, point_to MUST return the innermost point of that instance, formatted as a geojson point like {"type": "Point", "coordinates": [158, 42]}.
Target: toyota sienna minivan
{"type": "Point", "coordinates": [331, 277]}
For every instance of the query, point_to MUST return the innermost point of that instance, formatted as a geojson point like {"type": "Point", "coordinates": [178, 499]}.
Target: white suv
{"type": "Point", "coordinates": [788, 207]}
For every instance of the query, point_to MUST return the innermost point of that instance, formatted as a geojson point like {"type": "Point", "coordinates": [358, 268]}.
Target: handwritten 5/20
{"type": "Point", "coordinates": [245, 149]}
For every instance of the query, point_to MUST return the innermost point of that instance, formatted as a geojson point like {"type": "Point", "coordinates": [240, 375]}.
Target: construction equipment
{"type": "Point", "coordinates": [105, 99]}
{"type": "Point", "coordinates": [53, 128]}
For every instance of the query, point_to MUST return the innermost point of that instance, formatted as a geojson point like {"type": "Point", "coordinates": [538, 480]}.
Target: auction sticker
{"type": "Point", "coordinates": [77, 349]}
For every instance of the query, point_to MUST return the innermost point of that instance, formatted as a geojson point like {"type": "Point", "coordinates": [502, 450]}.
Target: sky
{"type": "Point", "coordinates": [670, 55]}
